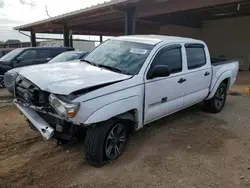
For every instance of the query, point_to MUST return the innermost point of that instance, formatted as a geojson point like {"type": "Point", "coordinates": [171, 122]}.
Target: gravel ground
{"type": "Point", "coordinates": [187, 149]}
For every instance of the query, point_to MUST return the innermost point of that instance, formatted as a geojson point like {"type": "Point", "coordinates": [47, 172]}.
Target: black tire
{"type": "Point", "coordinates": [97, 139]}
{"type": "Point", "coordinates": [216, 104]}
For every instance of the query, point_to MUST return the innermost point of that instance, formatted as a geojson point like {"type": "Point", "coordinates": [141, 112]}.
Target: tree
{"type": "Point", "coordinates": [12, 41]}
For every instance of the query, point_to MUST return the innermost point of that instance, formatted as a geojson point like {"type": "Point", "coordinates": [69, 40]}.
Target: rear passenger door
{"type": "Point", "coordinates": [198, 75]}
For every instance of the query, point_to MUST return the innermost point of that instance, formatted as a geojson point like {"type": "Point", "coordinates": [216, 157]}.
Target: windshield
{"type": "Point", "coordinates": [66, 56]}
{"type": "Point", "coordinates": [128, 57]}
{"type": "Point", "coordinates": [9, 56]}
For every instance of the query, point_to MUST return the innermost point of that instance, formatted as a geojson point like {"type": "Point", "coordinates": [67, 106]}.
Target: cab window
{"type": "Point", "coordinates": [43, 53]}
{"type": "Point", "coordinates": [196, 56]}
{"type": "Point", "coordinates": [172, 57]}
{"type": "Point", "coordinates": [28, 54]}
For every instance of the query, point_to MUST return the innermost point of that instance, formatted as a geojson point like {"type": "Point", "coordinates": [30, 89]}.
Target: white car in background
{"type": "Point", "coordinates": [122, 85]}
{"type": "Point", "coordinates": [68, 56]}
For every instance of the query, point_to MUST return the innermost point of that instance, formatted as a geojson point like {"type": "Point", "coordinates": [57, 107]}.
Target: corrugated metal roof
{"type": "Point", "coordinates": [73, 13]}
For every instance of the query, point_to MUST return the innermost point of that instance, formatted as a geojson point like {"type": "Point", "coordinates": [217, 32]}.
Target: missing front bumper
{"type": "Point", "coordinates": [42, 126]}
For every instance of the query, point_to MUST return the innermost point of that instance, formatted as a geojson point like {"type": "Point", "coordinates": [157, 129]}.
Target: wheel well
{"type": "Point", "coordinates": [132, 117]}
{"type": "Point", "coordinates": [227, 82]}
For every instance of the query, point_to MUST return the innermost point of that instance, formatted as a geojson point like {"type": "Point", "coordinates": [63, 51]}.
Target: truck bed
{"type": "Point", "coordinates": [221, 66]}
{"type": "Point", "coordinates": [220, 61]}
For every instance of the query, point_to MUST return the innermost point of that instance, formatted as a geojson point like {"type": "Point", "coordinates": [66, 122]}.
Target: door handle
{"type": "Point", "coordinates": [207, 73]}
{"type": "Point", "coordinates": [182, 80]}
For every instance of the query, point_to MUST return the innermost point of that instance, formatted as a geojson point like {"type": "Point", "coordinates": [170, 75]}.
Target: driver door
{"type": "Point", "coordinates": [165, 95]}
{"type": "Point", "coordinates": [26, 58]}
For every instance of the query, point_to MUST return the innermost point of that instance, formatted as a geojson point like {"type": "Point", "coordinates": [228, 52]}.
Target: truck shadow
{"type": "Point", "coordinates": [190, 130]}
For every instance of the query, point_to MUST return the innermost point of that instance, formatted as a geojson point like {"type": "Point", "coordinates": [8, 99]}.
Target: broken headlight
{"type": "Point", "coordinates": [9, 79]}
{"type": "Point", "coordinates": [67, 109]}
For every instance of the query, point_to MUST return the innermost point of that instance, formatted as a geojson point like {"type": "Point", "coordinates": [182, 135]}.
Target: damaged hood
{"type": "Point", "coordinates": [65, 78]}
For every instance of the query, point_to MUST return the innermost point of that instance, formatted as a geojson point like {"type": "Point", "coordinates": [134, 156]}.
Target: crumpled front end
{"type": "Point", "coordinates": [33, 117]}
{"type": "Point", "coordinates": [41, 116]}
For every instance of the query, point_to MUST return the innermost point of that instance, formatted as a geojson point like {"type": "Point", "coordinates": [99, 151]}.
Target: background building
{"type": "Point", "coordinates": [77, 44]}
{"type": "Point", "coordinates": [222, 24]}
{"type": "Point", "coordinates": [80, 45]}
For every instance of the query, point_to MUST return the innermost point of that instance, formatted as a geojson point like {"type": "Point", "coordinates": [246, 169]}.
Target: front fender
{"type": "Point", "coordinates": [116, 108]}
{"type": "Point", "coordinates": [224, 76]}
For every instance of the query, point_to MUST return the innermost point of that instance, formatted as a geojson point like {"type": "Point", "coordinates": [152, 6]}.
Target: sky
{"type": "Point", "coordinates": [18, 12]}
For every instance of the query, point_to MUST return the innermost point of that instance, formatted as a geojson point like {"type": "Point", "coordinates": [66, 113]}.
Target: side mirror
{"type": "Point", "coordinates": [159, 71]}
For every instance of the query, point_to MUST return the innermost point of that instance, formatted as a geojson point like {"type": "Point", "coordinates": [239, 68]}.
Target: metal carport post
{"type": "Point", "coordinates": [32, 38]}
{"type": "Point", "coordinates": [66, 36]}
{"type": "Point", "coordinates": [130, 21]}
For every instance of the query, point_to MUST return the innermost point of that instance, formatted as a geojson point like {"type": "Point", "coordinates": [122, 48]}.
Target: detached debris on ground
{"type": "Point", "coordinates": [233, 93]}
{"type": "Point", "coordinates": [5, 101]}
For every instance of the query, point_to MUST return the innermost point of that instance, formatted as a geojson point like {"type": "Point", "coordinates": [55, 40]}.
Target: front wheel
{"type": "Point", "coordinates": [105, 141]}
{"type": "Point", "coordinates": [217, 103]}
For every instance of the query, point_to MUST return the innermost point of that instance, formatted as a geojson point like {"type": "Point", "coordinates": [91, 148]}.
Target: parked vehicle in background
{"type": "Point", "coordinates": [10, 75]}
{"type": "Point", "coordinates": [28, 56]}
{"type": "Point", "coordinates": [68, 56]}
{"type": "Point", "coordinates": [4, 51]}
{"type": "Point", "coordinates": [122, 85]}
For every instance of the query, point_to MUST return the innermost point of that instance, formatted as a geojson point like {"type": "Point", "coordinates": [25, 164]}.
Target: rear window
{"type": "Point", "coordinates": [195, 57]}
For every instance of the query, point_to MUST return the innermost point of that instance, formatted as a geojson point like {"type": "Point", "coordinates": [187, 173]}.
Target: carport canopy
{"type": "Point", "coordinates": [119, 17]}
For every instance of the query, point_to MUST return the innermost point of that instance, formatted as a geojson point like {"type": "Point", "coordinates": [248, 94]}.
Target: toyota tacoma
{"type": "Point", "coordinates": [119, 87]}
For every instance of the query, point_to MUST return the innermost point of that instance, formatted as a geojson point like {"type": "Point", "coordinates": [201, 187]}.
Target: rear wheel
{"type": "Point", "coordinates": [105, 141]}
{"type": "Point", "coordinates": [217, 103]}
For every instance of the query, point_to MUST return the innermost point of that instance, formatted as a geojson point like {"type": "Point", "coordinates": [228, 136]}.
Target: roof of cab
{"type": "Point", "coordinates": [52, 47]}
{"type": "Point", "coordinates": [155, 39]}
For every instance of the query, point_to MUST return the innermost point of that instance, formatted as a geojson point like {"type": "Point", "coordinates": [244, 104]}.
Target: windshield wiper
{"type": "Point", "coordinates": [89, 62]}
{"type": "Point", "coordinates": [104, 66]}
{"type": "Point", "coordinates": [111, 68]}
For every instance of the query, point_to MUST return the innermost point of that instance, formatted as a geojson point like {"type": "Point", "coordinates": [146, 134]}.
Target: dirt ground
{"type": "Point", "coordinates": [188, 149]}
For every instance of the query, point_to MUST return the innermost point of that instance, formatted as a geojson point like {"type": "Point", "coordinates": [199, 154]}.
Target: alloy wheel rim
{"type": "Point", "coordinates": [115, 141]}
{"type": "Point", "coordinates": [220, 98]}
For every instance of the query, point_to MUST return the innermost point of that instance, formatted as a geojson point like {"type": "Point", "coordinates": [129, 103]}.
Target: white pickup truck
{"type": "Point", "coordinates": [122, 85]}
